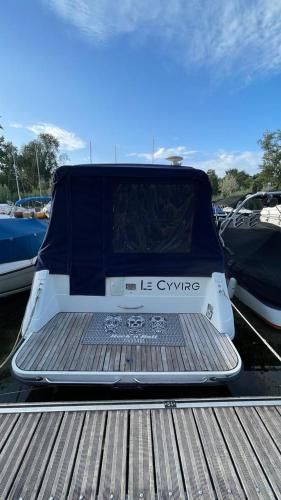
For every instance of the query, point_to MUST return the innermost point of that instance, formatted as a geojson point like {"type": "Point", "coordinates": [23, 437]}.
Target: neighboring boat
{"type": "Point", "coordinates": [217, 210]}
{"type": "Point", "coordinates": [31, 206]}
{"type": "Point", "coordinates": [253, 255]}
{"type": "Point", "coordinates": [272, 215]}
{"type": "Point", "coordinates": [36, 201]}
{"type": "Point", "coordinates": [130, 290]}
{"type": "Point", "coordinates": [20, 240]}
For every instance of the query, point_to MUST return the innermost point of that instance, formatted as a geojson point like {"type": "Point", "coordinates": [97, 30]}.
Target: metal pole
{"type": "Point", "coordinates": [16, 174]}
{"type": "Point", "coordinates": [38, 170]}
{"type": "Point", "coordinates": [115, 153]}
{"type": "Point", "coordinates": [91, 152]}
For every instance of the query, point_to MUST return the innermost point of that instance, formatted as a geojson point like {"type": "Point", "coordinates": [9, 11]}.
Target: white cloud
{"type": "Point", "coordinates": [219, 161]}
{"type": "Point", "coordinates": [68, 140]}
{"type": "Point", "coordinates": [163, 153]}
{"type": "Point", "coordinates": [232, 37]}
{"type": "Point", "coordinates": [222, 161]}
{"type": "Point", "coordinates": [16, 125]}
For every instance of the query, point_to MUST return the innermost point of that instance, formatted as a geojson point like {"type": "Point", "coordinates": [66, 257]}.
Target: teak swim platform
{"type": "Point", "coordinates": [135, 450]}
{"type": "Point", "coordinates": [58, 348]}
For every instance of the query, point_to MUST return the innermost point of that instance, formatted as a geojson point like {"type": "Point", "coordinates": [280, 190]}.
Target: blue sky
{"type": "Point", "coordinates": [202, 77]}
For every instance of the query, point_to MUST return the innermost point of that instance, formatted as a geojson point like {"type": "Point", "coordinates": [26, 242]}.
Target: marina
{"type": "Point", "coordinates": [106, 322]}
{"type": "Point", "coordinates": [140, 250]}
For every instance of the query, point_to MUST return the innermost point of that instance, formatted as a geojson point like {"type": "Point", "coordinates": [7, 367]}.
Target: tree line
{"type": "Point", "coordinates": [268, 178]}
{"type": "Point", "coordinates": [33, 164]}
{"type": "Point", "coordinates": [40, 157]}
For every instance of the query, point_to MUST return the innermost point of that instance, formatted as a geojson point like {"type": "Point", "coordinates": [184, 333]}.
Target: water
{"type": "Point", "coordinates": [261, 375]}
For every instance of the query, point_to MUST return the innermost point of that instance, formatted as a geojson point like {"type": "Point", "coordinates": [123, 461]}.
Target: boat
{"type": "Point", "coordinates": [20, 240]}
{"type": "Point", "coordinates": [252, 248]}
{"type": "Point", "coordinates": [272, 215]}
{"type": "Point", "coordinates": [132, 291]}
{"type": "Point", "coordinates": [31, 206]}
{"type": "Point", "coordinates": [5, 210]}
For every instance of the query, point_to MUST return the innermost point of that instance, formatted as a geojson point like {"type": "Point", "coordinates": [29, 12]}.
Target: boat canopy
{"type": "Point", "coordinates": [255, 260]}
{"type": "Point", "coordinates": [29, 199]}
{"type": "Point", "coordinates": [20, 239]}
{"type": "Point", "coordinates": [129, 220]}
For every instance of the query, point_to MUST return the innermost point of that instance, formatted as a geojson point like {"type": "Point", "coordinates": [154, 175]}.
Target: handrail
{"type": "Point", "coordinates": [260, 194]}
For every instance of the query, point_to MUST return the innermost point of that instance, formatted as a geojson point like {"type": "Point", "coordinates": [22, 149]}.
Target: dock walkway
{"type": "Point", "coordinates": [130, 450]}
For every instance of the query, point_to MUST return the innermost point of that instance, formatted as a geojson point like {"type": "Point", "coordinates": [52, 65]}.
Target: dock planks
{"type": "Point", "coordinates": [58, 347]}
{"type": "Point", "coordinates": [213, 452]}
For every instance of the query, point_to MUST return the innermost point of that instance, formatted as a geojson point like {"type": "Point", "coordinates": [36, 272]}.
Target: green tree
{"type": "Point", "coordinates": [214, 180]}
{"type": "Point", "coordinates": [229, 185]}
{"type": "Point", "coordinates": [271, 160]}
{"type": "Point", "coordinates": [243, 179]}
{"type": "Point", "coordinates": [44, 150]}
{"type": "Point", "coordinates": [63, 159]}
{"type": "Point", "coordinates": [8, 152]}
{"type": "Point", "coordinates": [5, 193]}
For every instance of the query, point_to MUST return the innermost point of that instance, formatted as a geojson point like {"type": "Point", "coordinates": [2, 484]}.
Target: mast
{"type": "Point", "coordinates": [16, 174]}
{"type": "Point", "coordinates": [91, 152]}
{"type": "Point", "coordinates": [153, 150]}
{"type": "Point", "coordinates": [38, 171]}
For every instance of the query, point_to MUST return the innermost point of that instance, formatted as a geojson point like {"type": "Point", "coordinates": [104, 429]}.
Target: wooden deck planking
{"type": "Point", "coordinates": [29, 356]}
{"type": "Point", "coordinates": [6, 425]}
{"type": "Point", "coordinates": [113, 470]}
{"type": "Point", "coordinates": [271, 420]}
{"type": "Point", "coordinates": [167, 466]}
{"type": "Point", "coordinates": [216, 353]}
{"type": "Point", "coordinates": [249, 470]}
{"type": "Point", "coordinates": [218, 457]}
{"type": "Point", "coordinates": [85, 477]}
{"type": "Point", "coordinates": [58, 473]}
{"type": "Point", "coordinates": [263, 445]}
{"type": "Point", "coordinates": [14, 450]}
{"type": "Point", "coordinates": [30, 475]}
{"type": "Point", "coordinates": [195, 470]}
{"type": "Point", "coordinates": [58, 347]}
{"type": "Point", "coordinates": [141, 479]}
{"type": "Point", "coordinates": [195, 453]}
{"type": "Point", "coordinates": [203, 355]}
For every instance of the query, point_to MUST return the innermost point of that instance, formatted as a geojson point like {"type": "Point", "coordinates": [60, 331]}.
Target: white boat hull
{"type": "Point", "coordinates": [270, 314]}
{"type": "Point", "coordinates": [202, 301]}
{"type": "Point", "coordinates": [16, 277]}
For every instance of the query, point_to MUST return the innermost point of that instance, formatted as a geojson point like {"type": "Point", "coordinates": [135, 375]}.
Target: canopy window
{"type": "Point", "coordinates": [152, 218]}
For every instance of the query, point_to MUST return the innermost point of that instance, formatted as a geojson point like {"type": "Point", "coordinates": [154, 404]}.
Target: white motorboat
{"type": "Point", "coordinates": [253, 249]}
{"type": "Point", "coordinates": [132, 291]}
{"type": "Point", "coordinates": [20, 240]}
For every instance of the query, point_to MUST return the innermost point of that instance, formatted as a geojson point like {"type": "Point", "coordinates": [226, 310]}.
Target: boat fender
{"type": "Point", "coordinates": [231, 287]}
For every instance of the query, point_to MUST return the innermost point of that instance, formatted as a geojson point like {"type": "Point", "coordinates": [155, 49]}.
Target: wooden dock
{"type": "Point", "coordinates": [134, 450]}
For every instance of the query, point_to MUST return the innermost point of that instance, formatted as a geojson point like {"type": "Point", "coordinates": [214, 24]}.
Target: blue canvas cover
{"type": "Point", "coordinates": [129, 220]}
{"type": "Point", "coordinates": [254, 260]}
{"type": "Point", "coordinates": [20, 239]}
{"type": "Point", "coordinates": [40, 199]}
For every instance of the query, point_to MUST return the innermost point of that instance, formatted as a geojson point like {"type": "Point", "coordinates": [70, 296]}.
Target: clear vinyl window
{"type": "Point", "coordinates": [152, 217]}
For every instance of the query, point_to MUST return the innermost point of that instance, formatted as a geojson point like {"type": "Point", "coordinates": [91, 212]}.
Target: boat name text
{"type": "Point", "coordinates": [165, 285]}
